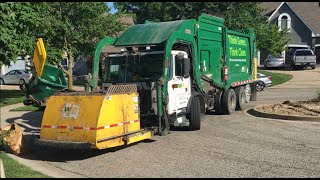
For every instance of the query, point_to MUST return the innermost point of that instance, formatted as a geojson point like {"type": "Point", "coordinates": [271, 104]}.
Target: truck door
{"type": "Point", "coordinates": [179, 87]}
{"type": "Point", "coordinates": [210, 62]}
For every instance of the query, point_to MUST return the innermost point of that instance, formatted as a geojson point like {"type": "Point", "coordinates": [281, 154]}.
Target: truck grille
{"type": "Point", "coordinates": [122, 89]}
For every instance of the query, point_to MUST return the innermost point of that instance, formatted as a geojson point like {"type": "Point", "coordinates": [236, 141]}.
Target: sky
{"type": "Point", "coordinates": [112, 9]}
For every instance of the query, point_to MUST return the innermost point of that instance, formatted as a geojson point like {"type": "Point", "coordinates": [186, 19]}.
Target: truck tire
{"type": "Point", "coordinates": [217, 103]}
{"type": "Point", "coordinates": [248, 92]}
{"type": "Point", "coordinates": [254, 92]}
{"type": "Point", "coordinates": [313, 67]}
{"type": "Point", "coordinates": [229, 101]}
{"type": "Point", "coordinates": [195, 115]}
{"type": "Point", "coordinates": [241, 97]}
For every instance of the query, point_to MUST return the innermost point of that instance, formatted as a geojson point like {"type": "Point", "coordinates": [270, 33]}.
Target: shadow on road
{"type": "Point", "coordinates": [30, 121]}
{"type": "Point", "coordinates": [64, 155]}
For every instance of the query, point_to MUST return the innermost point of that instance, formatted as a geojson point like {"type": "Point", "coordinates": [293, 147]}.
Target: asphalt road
{"type": "Point", "coordinates": [237, 145]}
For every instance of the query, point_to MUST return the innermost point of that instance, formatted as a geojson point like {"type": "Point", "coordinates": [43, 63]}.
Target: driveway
{"type": "Point", "coordinates": [237, 145]}
{"type": "Point", "coordinates": [303, 79]}
{"type": "Point", "coordinates": [304, 84]}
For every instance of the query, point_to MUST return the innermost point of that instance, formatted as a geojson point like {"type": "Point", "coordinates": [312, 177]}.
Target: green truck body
{"type": "Point", "coordinates": [214, 45]}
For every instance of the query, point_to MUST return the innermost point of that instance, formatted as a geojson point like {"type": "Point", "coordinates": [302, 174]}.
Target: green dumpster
{"type": "Point", "coordinates": [40, 88]}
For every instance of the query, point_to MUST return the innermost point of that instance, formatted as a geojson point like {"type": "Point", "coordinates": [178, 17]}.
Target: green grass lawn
{"type": "Point", "coordinates": [277, 78]}
{"type": "Point", "coordinates": [9, 97]}
{"type": "Point", "coordinates": [26, 108]}
{"type": "Point", "coordinates": [14, 169]}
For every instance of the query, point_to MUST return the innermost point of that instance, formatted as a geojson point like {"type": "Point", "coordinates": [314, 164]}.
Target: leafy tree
{"type": "Point", "coordinates": [67, 28]}
{"type": "Point", "coordinates": [237, 16]}
{"type": "Point", "coordinates": [17, 22]}
{"type": "Point", "coordinates": [74, 29]}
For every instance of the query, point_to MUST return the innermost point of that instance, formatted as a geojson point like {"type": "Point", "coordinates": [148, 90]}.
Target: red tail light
{"type": "Point", "coordinates": [174, 86]}
{"type": "Point", "coordinates": [225, 73]}
{"type": "Point", "coordinates": [270, 78]}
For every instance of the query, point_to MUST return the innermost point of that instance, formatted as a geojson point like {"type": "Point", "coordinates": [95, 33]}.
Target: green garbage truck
{"type": "Point", "coordinates": [182, 69]}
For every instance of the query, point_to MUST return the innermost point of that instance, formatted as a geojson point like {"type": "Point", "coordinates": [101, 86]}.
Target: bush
{"type": "Point", "coordinates": [3, 143]}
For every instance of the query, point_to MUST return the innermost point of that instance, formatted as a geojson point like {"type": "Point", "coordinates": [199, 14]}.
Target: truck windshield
{"type": "Point", "coordinates": [134, 67]}
{"type": "Point", "coordinates": [304, 53]}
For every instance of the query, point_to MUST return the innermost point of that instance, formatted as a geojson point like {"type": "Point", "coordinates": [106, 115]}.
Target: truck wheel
{"type": "Point", "coordinates": [1, 82]}
{"type": "Point", "coordinates": [253, 96]}
{"type": "Point", "coordinates": [248, 93]}
{"type": "Point", "coordinates": [241, 97]}
{"type": "Point", "coordinates": [313, 67]}
{"type": "Point", "coordinates": [229, 100]}
{"type": "Point", "coordinates": [195, 117]}
{"type": "Point", "coordinates": [217, 103]}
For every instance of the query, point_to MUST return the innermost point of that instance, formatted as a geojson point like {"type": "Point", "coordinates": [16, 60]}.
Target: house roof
{"type": "Point", "coordinates": [269, 7]}
{"type": "Point", "coordinates": [309, 12]}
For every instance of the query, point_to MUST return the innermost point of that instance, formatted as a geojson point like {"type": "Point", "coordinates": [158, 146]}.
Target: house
{"type": "Point", "coordinates": [303, 21]}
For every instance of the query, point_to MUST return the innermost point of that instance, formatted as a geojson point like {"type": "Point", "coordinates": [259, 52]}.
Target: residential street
{"type": "Point", "coordinates": [160, 90]}
{"type": "Point", "coordinates": [237, 145]}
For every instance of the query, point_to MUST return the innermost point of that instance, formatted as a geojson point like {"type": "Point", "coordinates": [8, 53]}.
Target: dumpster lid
{"type": "Point", "coordinates": [39, 56]}
{"type": "Point", "coordinates": [149, 33]}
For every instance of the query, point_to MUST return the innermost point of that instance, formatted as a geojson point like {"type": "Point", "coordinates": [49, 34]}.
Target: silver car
{"type": "Point", "coordinates": [263, 81]}
{"type": "Point", "coordinates": [274, 61]}
{"type": "Point", "coordinates": [16, 77]}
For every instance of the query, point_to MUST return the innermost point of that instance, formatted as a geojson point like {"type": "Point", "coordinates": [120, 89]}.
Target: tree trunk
{"type": "Point", "coordinates": [69, 74]}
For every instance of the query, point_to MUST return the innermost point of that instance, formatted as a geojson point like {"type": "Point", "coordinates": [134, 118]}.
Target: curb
{"type": "Point", "coordinates": [2, 175]}
{"type": "Point", "coordinates": [255, 112]}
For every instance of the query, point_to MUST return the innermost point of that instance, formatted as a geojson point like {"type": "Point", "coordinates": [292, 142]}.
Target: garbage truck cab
{"type": "Point", "coordinates": [144, 69]}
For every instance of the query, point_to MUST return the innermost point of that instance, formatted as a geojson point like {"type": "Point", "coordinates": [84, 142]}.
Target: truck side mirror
{"type": "Point", "coordinates": [186, 67]}
{"type": "Point", "coordinates": [186, 64]}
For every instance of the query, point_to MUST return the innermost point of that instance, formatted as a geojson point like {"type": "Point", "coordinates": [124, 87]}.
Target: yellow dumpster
{"type": "Point", "coordinates": [93, 120]}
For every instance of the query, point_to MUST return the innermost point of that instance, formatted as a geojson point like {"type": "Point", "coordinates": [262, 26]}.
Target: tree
{"type": "Point", "coordinates": [237, 16]}
{"type": "Point", "coordinates": [17, 22]}
{"type": "Point", "coordinates": [74, 29]}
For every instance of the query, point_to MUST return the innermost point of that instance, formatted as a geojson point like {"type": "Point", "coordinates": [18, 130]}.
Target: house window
{"type": "Point", "coordinates": [284, 22]}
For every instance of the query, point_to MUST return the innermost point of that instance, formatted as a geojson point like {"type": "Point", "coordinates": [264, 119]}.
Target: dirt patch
{"type": "Point", "coordinates": [290, 108]}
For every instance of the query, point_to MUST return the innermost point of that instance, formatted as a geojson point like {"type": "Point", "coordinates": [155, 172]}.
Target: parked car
{"type": "Point", "coordinates": [274, 61]}
{"type": "Point", "coordinates": [16, 77]}
{"type": "Point", "coordinates": [303, 58]}
{"type": "Point", "coordinates": [263, 81]}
